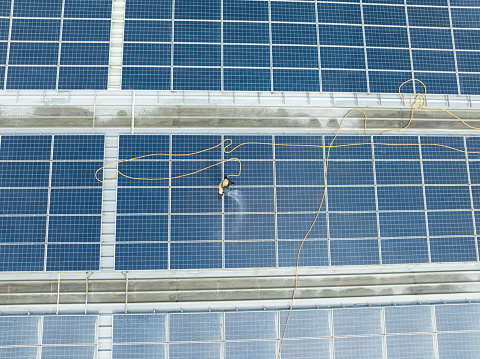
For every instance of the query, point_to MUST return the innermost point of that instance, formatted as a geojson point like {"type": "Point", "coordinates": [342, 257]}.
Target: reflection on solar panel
{"type": "Point", "coordinates": [54, 44]}
{"type": "Point", "coordinates": [302, 46]}
{"type": "Point", "coordinates": [52, 336]}
{"type": "Point", "coordinates": [406, 332]}
{"type": "Point", "coordinates": [389, 200]}
{"type": "Point", "coordinates": [50, 202]}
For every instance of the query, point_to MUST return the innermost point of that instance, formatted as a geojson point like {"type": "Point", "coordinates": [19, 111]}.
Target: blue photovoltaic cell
{"type": "Point", "coordinates": [141, 228]}
{"type": "Point", "coordinates": [139, 351]}
{"type": "Point", "coordinates": [245, 10]}
{"type": "Point", "coordinates": [295, 34]}
{"type": "Point", "coordinates": [249, 147]}
{"type": "Point", "coordinates": [251, 349]}
{"type": "Point", "coordinates": [358, 347]}
{"type": "Point", "coordinates": [145, 78]}
{"type": "Point", "coordinates": [248, 200]}
{"type": "Point", "coordinates": [18, 352]}
{"type": "Point", "coordinates": [296, 149]}
{"type": "Point", "coordinates": [197, 78]}
{"type": "Point", "coordinates": [32, 78]}
{"type": "Point", "coordinates": [467, 39]}
{"type": "Point", "coordinates": [254, 173]}
{"type": "Point", "coordinates": [249, 254]}
{"type": "Point", "coordinates": [35, 29]}
{"type": "Point", "coordinates": [195, 327]}
{"type": "Point", "coordinates": [85, 54]}
{"type": "Point", "coordinates": [448, 197]}
{"type": "Point", "coordinates": [384, 15]}
{"type": "Point", "coordinates": [25, 148]}
{"type": "Point", "coordinates": [152, 171]}
{"type": "Point", "coordinates": [68, 352]}
{"type": "Point", "coordinates": [339, 13]}
{"type": "Point", "coordinates": [345, 35]}
{"type": "Point", "coordinates": [428, 60]}
{"type": "Point", "coordinates": [246, 33]}
{"type": "Point", "coordinates": [303, 199]}
{"type": "Point", "coordinates": [23, 201]}
{"type": "Point", "coordinates": [468, 18]}
{"type": "Point", "coordinates": [139, 328]}
{"type": "Point", "coordinates": [142, 145]}
{"type": "Point", "coordinates": [204, 10]}
{"type": "Point", "coordinates": [296, 225]}
{"type": "Point", "coordinates": [76, 201]}
{"type": "Point", "coordinates": [405, 172]}
{"type": "Point", "coordinates": [431, 38]}
{"type": "Point", "coordinates": [474, 168]}
{"type": "Point", "coordinates": [353, 225]}
{"type": "Point", "coordinates": [459, 317]}
{"type": "Point", "coordinates": [351, 199]}
{"type": "Point", "coordinates": [408, 319]}
{"type": "Point", "coordinates": [292, 12]}
{"type": "Point", "coordinates": [197, 31]}
{"type": "Point", "coordinates": [22, 257]}
{"type": "Point", "coordinates": [469, 83]}
{"type": "Point", "coordinates": [360, 148]}
{"type": "Point", "coordinates": [206, 177]}
{"type": "Point", "coordinates": [306, 323]}
{"type": "Point", "coordinates": [350, 173]}
{"type": "Point", "coordinates": [245, 56]}
{"type": "Point", "coordinates": [313, 253]}
{"type": "Point", "coordinates": [358, 321]}
{"type": "Point", "coordinates": [196, 55]}
{"type": "Point", "coordinates": [140, 9]}
{"type": "Point", "coordinates": [438, 147]}
{"type": "Point", "coordinates": [74, 229]}
{"type": "Point", "coordinates": [86, 30]}
{"type": "Point", "coordinates": [4, 29]}
{"type": "Point", "coordinates": [458, 345]}
{"type": "Point", "coordinates": [473, 145]}
{"type": "Point", "coordinates": [428, 16]}
{"type": "Point", "coordinates": [195, 351]}
{"type": "Point", "coordinates": [377, 36]}
{"type": "Point", "coordinates": [342, 58]}
{"type": "Point", "coordinates": [249, 227]}
{"type": "Point", "coordinates": [81, 329]}
{"type": "Point", "coordinates": [403, 198]}
{"type": "Point", "coordinates": [147, 30]}
{"type": "Point", "coordinates": [88, 9]}
{"type": "Point", "coordinates": [73, 257]}
{"type": "Point", "coordinates": [445, 172]}
{"type": "Point", "coordinates": [450, 223]}
{"type": "Point", "coordinates": [46, 8]}
{"type": "Point", "coordinates": [21, 330]}
{"type": "Point", "coordinates": [439, 83]}
{"type": "Point", "coordinates": [194, 228]}
{"type": "Point", "coordinates": [299, 173]}
{"type": "Point", "coordinates": [401, 250]}
{"type": "Point", "coordinates": [250, 325]}
{"type": "Point", "coordinates": [411, 346]}
{"type": "Point", "coordinates": [195, 255]}
{"type": "Point", "coordinates": [33, 53]}
{"type": "Point", "coordinates": [195, 200]}
{"type": "Point", "coordinates": [247, 79]}
{"type": "Point", "coordinates": [142, 200]}
{"type": "Point", "coordinates": [84, 147]}
{"type": "Point", "coordinates": [75, 174]}
{"type": "Point", "coordinates": [24, 174]}
{"type": "Point", "coordinates": [396, 147]}
{"type": "Point", "coordinates": [354, 252]}
{"type": "Point", "coordinates": [389, 59]}
{"type": "Point", "coordinates": [295, 56]}
{"type": "Point", "coordinates": [141, 256]}
{"type": "Point", "coordinates": [304, 348]}
{"type": "Point", "coordinates": [404, 224]}
{"type": "Point", "coordinates": [147, 54]}
{"type": "Point", "coordinates": [5, 7]}
{"type": "Point", "coordinates": [344, 81]}
{"type": "Point", "coordinates": [295, 80]}
{"type": "Point", "coordinates": [459, 249]}
{"type": "Point", "coordinates": [83, 78]}
{"type": "Point", "coordinates": [22, 229]}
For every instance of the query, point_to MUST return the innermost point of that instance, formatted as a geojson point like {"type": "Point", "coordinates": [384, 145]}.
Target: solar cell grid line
{"type": "Point", "coordinates": [420, 149]}
{"type": "Point", "coordinates": [60, 43]}
{"type": "Point", "coordinates": [365, 49]}
{"type": "Point", "coordinates": [377, 208]}
{"type": "Point", "coordinates": [4, 85]}
{"type": "Point", "coordinates": [472, 206]}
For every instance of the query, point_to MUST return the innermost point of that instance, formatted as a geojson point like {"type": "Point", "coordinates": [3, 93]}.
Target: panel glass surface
{"type": "Point", "coordinates": [388, 200]}
{"type": "Point", "coordinates": [51, 202]}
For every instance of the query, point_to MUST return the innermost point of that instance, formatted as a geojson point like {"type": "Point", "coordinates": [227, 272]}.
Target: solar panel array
{"type": "Point", "coordinates": [31, 337]}
{"type": "Point", "coordinates": [54, 44]}
{"type": "Point", "coordinates": [445, 331]}
{"type": "Point", "coordinates": [389, 200]}
{"type": "Point", "coordinates": [352, 46]}
{"type": "Point", "coordinates": [50, 202]}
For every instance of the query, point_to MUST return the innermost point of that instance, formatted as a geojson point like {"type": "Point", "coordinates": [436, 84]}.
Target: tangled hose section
{"type": "Point", "coordinates": [416, 103]}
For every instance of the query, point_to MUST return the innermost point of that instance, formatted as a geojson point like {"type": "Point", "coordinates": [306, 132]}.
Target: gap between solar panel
{"type": "Point", "coordinates": [417, 102]}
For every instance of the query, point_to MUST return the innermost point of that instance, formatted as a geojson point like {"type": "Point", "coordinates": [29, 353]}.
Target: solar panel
{"type": "Point", "coordinates": [366, 332]}
{"type": "Point", "coordinates": [44, 44]}
{"type": "Point", "coordinates": [389, 200]}
{"type": "Point", "coordinates": [51, 202]}
{"type": "Point", "coordinates": [28, 336]}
